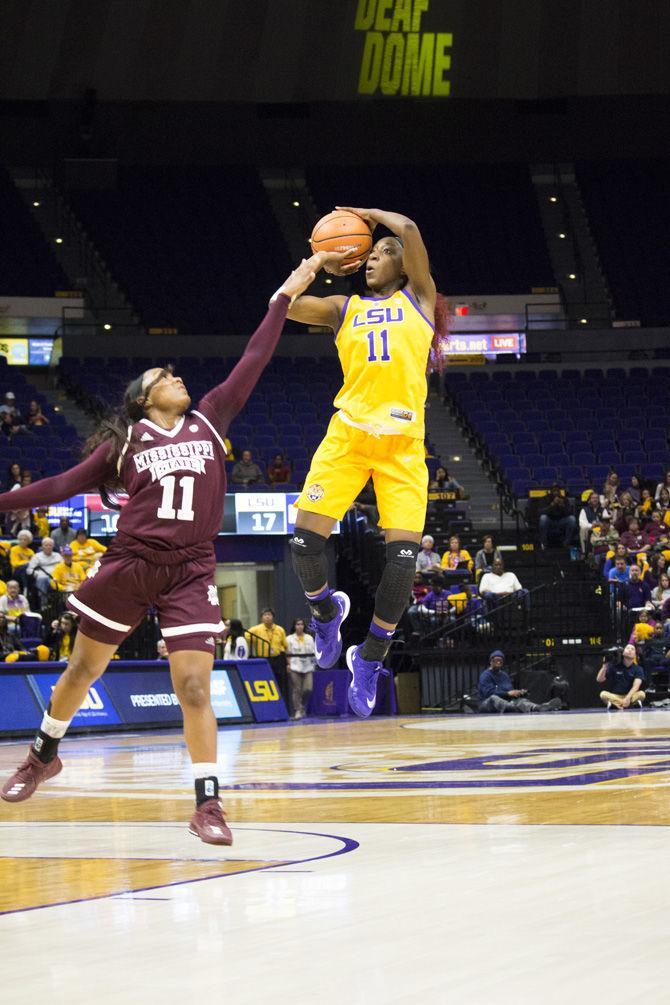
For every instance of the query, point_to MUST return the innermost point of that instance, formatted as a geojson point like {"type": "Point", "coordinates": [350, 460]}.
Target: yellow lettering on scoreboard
{"type": "Point", "coordinates": [399, 59]}
{"type": "Point", "coordinates": [262, 690]}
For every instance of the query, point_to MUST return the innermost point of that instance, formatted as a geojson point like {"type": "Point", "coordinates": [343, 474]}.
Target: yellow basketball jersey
{"type": "Point", "coordinates": [383, 345]}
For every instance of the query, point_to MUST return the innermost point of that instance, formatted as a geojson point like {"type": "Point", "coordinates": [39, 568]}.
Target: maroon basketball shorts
{"type": "Point", "coordinates": [121, 587]}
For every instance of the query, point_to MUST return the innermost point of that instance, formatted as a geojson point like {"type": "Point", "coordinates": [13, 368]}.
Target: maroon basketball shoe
{"type": "Point", "coordinates": [209, 824]}
{"type": "Point", "coordinates": [28, 776]}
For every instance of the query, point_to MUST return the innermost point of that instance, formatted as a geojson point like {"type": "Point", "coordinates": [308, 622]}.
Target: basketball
{"type": "Point", "coordinates": [342, 231]}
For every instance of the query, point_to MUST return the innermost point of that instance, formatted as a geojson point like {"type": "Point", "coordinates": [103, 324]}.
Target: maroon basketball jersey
{"type": "Point", "coordinates": [176, 481]}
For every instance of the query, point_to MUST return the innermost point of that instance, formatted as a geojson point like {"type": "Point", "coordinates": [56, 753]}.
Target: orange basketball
{"type": "Point", "coordinates": [342, 231]}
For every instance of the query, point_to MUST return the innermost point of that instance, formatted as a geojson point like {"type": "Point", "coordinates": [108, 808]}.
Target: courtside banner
{"type": "Point", "coordinates": [144, 697]}
{"type": "Point", "coordinates": [267, 704]}
{"type": "Point", "coordinates": [97, 709]}
{"type": "Point", "coordinates": [18, 706]}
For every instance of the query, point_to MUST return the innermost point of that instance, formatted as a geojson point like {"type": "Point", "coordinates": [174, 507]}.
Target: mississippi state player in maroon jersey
{"type": "Point", "coordinates": [169, 458]}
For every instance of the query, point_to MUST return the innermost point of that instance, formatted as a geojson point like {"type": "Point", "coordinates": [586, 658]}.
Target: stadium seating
{"type": "Point", "coordinates": [592, 423]}
{"type": "Point", "coordinates": [481, 223]}
{"type": "Point", "coordinates": [27, 266]}
{"type": "Point", "coordinates": [196, 248]}
{"type": "Point", "coordinates": [628, 205]}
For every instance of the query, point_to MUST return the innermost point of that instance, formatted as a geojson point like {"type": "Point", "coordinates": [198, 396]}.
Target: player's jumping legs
{"type": "Point", "coordinates": [391, 599]}
{"type": "Point", "coordinates": [310, 563]}
{"type": "Point", "coordinates": [88, 662]}
{"type": "Point", "coordinates": [191, 672]}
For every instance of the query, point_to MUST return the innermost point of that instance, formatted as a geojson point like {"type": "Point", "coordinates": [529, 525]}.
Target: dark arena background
{"type": "Point", "coordinates": [162, 165]}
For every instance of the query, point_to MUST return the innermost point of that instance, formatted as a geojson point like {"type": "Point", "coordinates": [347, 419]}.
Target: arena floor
{"type": "Point", "coordinates": [451, 859]}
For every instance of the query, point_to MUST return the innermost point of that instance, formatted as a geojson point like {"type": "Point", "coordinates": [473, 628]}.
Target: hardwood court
{"type": "Point", "coordinates": [449, 859]}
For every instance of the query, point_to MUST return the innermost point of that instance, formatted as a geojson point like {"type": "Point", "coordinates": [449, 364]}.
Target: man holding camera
{"type": "Point", "coordinates": [498, 694]}
{"type": "Point", "coordinates": [623, 678]}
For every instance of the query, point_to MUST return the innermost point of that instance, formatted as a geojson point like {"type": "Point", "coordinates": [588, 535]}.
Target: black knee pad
{"type": "Point", "coordinates": [308, 555]}
{"type": "Point", "coordinates": [395, 586]}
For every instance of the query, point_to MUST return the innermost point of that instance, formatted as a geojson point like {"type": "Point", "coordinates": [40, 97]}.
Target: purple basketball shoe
{"type": "Point", "coordinates": [363, 687]}
{"type": "Point", "coordinates": [327, 638]}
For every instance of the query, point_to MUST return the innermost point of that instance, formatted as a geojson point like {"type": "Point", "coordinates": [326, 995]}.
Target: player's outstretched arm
{"type": "Point", "coordinates": [222, 403]}
{"type": "Point", "coordinates": [324, 311]}
{"type": "Point", "coordinates": [87, 476]}
{"type": "Point", "coordinates": [415, 256]}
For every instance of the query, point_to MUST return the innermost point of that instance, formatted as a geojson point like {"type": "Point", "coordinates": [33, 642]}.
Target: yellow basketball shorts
{"type": "Point", "coordinates": [347, 457]}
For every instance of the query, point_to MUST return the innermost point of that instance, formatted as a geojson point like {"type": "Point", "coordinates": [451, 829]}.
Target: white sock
{"type": "Point", "coordinates": [55, 728]}
{"type": "Point", "coordinates": [204, 770]}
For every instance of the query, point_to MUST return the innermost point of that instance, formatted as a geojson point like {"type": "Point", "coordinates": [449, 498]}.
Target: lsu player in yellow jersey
{"type": "Point", "coordinates": [383, 340]}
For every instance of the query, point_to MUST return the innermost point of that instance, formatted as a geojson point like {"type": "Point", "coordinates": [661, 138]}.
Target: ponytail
{"type": "Point", "coordinates": [116, 430]}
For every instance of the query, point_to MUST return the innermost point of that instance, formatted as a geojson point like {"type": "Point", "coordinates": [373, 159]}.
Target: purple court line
{"type": "Point", "coordinates": [348, 845]}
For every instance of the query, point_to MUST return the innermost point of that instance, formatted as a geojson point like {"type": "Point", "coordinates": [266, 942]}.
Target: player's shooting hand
{"type": "Point", "coordinates": [365, 214]}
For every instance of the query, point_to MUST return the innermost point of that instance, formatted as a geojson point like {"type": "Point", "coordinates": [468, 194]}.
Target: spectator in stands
{"type": "Point", "coordinates": [268, 640]}
{"type": "Point", "coordinates": [433, 609]}
{"type": "Point", "coordinates": [556, 520]}
{"type": "Point", "coordinates": [36, 417]}
{"type": "Point", "coordinates": [41, 566]}
{"type": "Point", "coordinates": [279, 472]}
{"type": "Point", "coordinates": [420, 588]}
{"type": "Point", "coordinates": [40, 527]}
{"type": "Point", "coordinates": [63, 534]}
{"type": "Point", "coordinates": [161, 649]}
{"type": "Point", "coordinates": [635, 489]}
{"type": "Point", "coordinates": [589, 516]}
{"type": "Point", "coordinates": [301, 663]}
{"type": "Point", "coordinates": [60, 639]}
{"type": "Point", "coordinates": [643, 628]}
{"type": "Point", "coordinates": [444, 482]}
{"type": "Point", "coordinates": [655, 533]}
{"type": "Point", "coordinates": [68, 575]}
{"type": "Point", "coordinates": [14, 476]}
{"type": "Point", "coordinates": [8, 407]}
{"type": "Point", "coordinates": [13, 604]}
{"type": "Point", "coordinates": [246, 471]}
{"type": "Point", "coordinates": [620, 573]}
{"type": "Point", "coordinates": [611, 489]}
{"type": "Point", "coordinates": [636, 593]}
{"type": "Point", "coordinates": [498, 694]}
{"type": "Point", "coordinates": [86, 550]}
{"type": "Point", "coordinates": [663, 504]}
{"type": "Point", "coordinates": [456, 558]}
{"type": "Point", "coordinates": [20, 519]}
{"type": "Point", "coordinates": [633, 539]}
{"type": "Point", "coordinates": [8, 641]}
{"type": "Point", "coordinates": [655, 653]}
{"type": "Point", "coordinates": [20, 555]}
{"type": "Point", "coordinates": [661, 592]}
{"type": "Point", "coordinates": [604, 536]}
{"type": "Point", "coordinates": [657, 567]}
{"type": "Point", "coordinates": [646, 505]}
{"type": "Point", "coordinates": [236, 646]}
{"type": "Point", "coordinates": [619, 552]}
{"type": "Point", "coordinates": [486, 556]}
{"type": "Point", "coordinates": [427, 560]}
{"type": "Point", "coordinates": [665, 484]}
{"type": "Point", "coordinates": [9, 426]}
{"type": "Point", "coordinates": [623, 679]}
{"type": "Point", "coordinates": [498, 583]}
{"type": "Point", "coordinates": [625, 512]}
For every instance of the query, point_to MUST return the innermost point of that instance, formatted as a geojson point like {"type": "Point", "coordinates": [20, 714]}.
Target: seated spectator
{"type": "Point", "coordinates": [635, 489]}
{"type": "Point", "coordinates": [556, 520]}
{"type": "Point", "coordinates": [9, 643]}
{"type": "Point", "coordinates": [14, 473]}
{"type": "Point", "coordinates": [636, 593]}
{"type": "Point", "coordinates": [86, 550]}
{"type": "Point", "coordinates": [420, 588]}
{"type": "Point", "coordinates": [611, 557]}
{"type": "Point", "coordinates": [663, 503]}
{"type": "Point", "coordinates": [301, 662]}
{"type": "Point", "coordinates": [643, 629]}
{"type": "Point", "coordinates": [603, 536]}
{"type": "Point", "coordinates": [433, 609]}
{"type": "Point", "coordinates": [665, 484]}
{"type": "Point", "coordinates": [20, 555]}
{"type": "Point", "coordinates": [444, 482]}
{"type": "Point", "coordinates": [625, 511]}
{"type": "Point", "coordinates": [610, 494]}
{"type": "Point", "coordinates": [279, 471]}
{"type": "Point", "coordinates": [620, 573]}
{"type": "Point", "coordinates": [658, 565]}
{"type": "Point", "coordinates": [40, 525]}
{"type": "Point", "coordinates": [646, 505]}
{"type": "Point", "coordinates": [427, 560]}
{"type": "Point", "coordinates": [498, 694]}
{"type": "Point", "coordinates": [68, 575]}
{"type": "Point", "coordinates": [162, 650]}
{"type": "Point", "coordinates": [246, 471]}
{"type": "Point", "coordinates": [236, 646]}
{"type": "Point", "coordinates": [8, 406]}
{"type": "Point", "coordinates": [13, 604]}
{"type": "Point", "coordinates": [60, 638]}
{"type": "Point", "coordinates": [486, 556]}
{"type": "Point", "coordinates": [456, 558]}
{"type": "Point", "coordinates": [35, 415]}
{"type": "Point", "coordinates": [655, 653]}
{"type": "Point", "coordinates": [498, 583]}
{"type": "Point", "coordinates": [63, 534]}
{"type": "Point", "coordinates": [633, 539]}
{"type": "Point", "coordinates": [9, 426]}
{"type": "Point", "coordinates": [655, 533]}
{"type": "Point", "coordinates": [589, 516]}
{"type": "Point", "coordinates": [661, 591]}
{"type": "Point", "coordinates": [41, 567]}
{"type": "Point", "coordinates": [20, 519]}
{"type": "Point", "coordinates": [623, 679]}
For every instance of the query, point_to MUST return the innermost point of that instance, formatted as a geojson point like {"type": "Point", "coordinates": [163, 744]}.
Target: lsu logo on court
{"type": "Point", "coordinates": [262, 690]}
